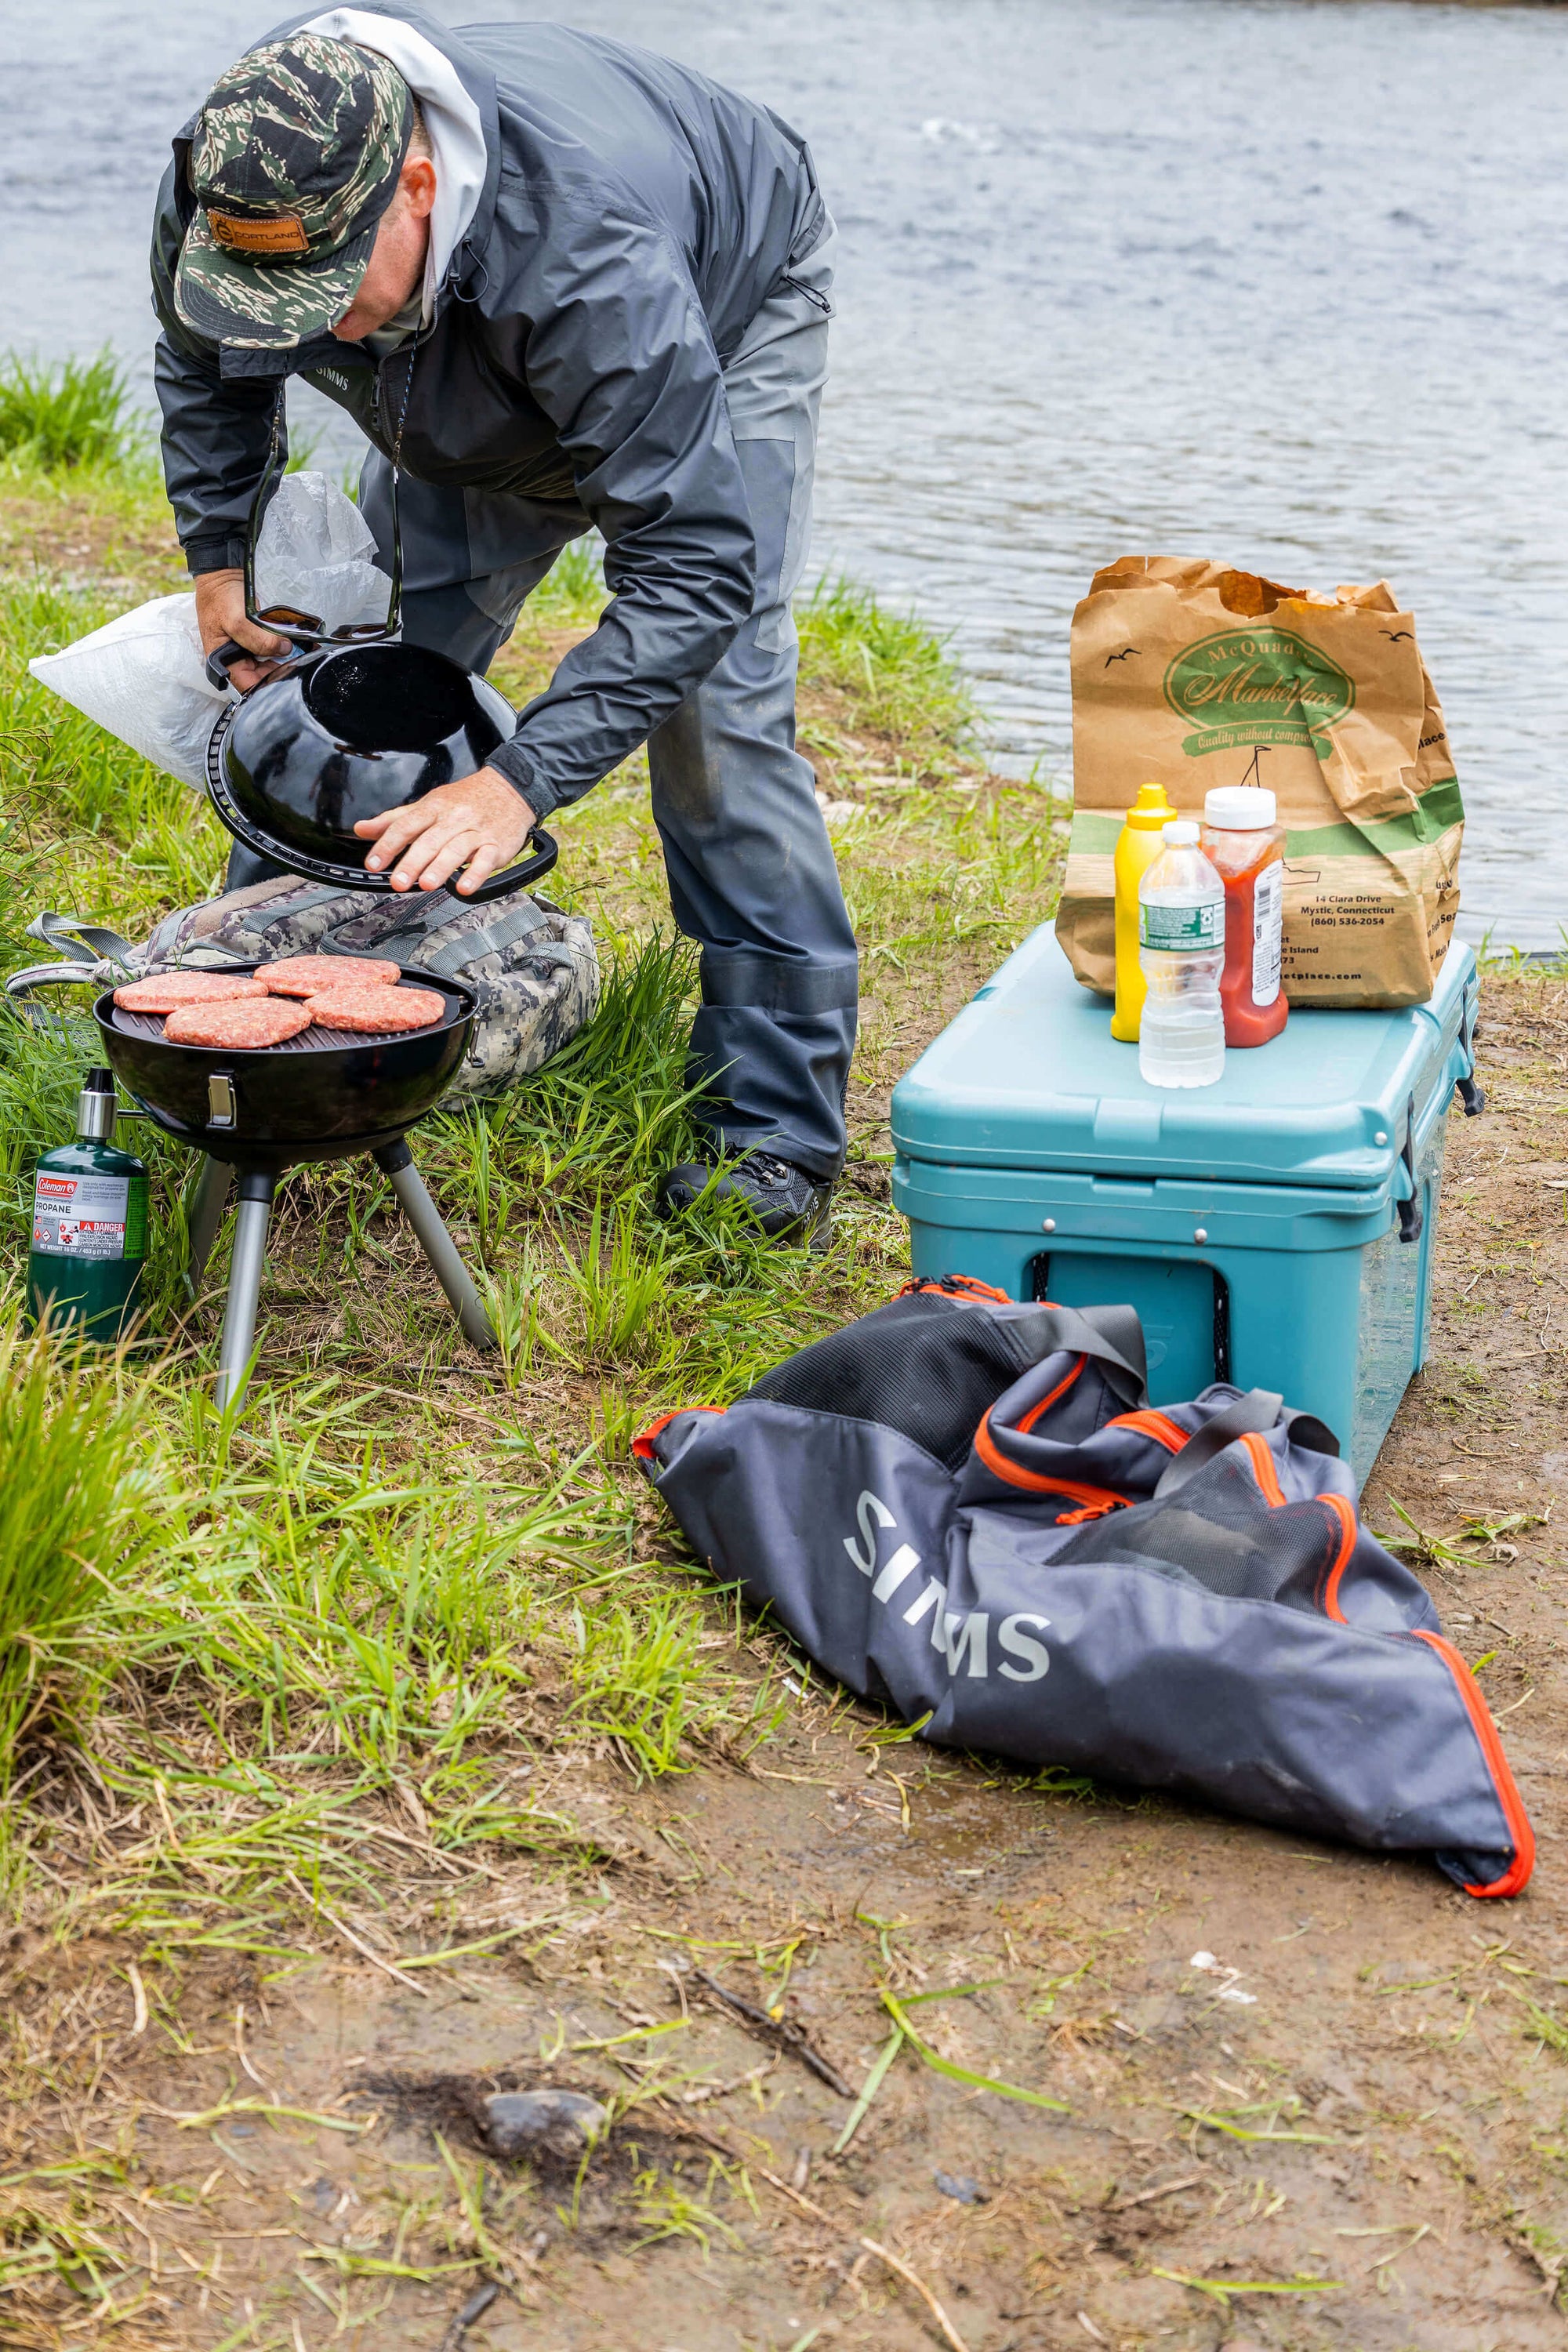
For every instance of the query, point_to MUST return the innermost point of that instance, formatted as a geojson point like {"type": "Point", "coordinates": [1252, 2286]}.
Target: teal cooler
{"type": "Point", "coordinates": [1276, 1230]}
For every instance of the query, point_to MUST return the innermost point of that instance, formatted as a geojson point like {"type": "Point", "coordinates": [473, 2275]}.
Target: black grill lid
{"type": "Point", "coordinates": [348, 733]}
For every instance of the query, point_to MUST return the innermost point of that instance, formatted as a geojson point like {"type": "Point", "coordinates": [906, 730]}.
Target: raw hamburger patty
{"type": "Point", "coordinates": [377, 1009]}
{"type": "Point", "coordinates": [264, 1020]}
{"type": "Point", "coordinates": [302, 975]}
{"type": "Point", "coordinates": [165, 992]}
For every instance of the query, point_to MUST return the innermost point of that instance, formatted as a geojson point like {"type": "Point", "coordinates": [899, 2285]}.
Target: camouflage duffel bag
{"type": "Point", "coordinates": [533, 967]}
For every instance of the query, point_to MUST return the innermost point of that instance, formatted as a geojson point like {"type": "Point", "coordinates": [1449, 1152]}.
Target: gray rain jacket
{"type": "Point", "coordinates": [634, 218]}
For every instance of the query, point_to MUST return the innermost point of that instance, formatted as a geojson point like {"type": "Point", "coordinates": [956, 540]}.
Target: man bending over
{"type": "Point", "coordinates": [558, 282]}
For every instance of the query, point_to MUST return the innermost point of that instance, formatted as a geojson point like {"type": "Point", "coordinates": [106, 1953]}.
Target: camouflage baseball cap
{"type": "Point", "coordinates": [295, 159]}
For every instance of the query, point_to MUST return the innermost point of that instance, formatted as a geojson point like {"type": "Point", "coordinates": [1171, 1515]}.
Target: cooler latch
{"type": "Point", "coordinates": [1411, 1216]}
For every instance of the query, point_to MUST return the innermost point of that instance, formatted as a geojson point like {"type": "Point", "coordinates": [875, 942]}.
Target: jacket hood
{"type": "Point", "coordinates": [477, 78]}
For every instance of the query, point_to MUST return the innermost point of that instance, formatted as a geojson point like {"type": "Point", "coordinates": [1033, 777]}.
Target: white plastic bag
{"type": "Point", "coordinates": [318, 552]}
{"type": "Point", "coordinates": [142, 676]}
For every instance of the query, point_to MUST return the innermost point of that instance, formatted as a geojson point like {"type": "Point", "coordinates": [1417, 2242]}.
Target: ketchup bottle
{"type": "Point", "coordinates": [1246, 848]}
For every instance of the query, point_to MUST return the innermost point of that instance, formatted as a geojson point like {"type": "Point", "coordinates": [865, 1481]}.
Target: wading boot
{"type": "Point", "coordinates": [789, 1203]}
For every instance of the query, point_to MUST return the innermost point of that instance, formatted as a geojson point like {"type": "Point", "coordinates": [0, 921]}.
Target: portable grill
{"type": "Point", "coordinates": [338, 734]}
{"type": "Point", "coordinates": [328, 1094]}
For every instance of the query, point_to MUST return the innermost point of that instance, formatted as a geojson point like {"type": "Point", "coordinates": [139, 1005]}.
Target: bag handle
{"type": "Point", "coordinates": [1112, 1336]}
{"type": "Point", "coordinates": [20, 984]}
{"type": "Point", "coordinates": [83, 942]}
{"type": "Point", "coordinates": [1257, 1413]}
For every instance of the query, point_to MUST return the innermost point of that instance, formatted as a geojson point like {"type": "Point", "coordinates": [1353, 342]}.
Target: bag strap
{"type": "Point", "coordinates": [1111, 1335]}
{"type": "Point", "coordinates": [252, 924]}
{"type": "Point", "coordinates": [83, 942]}
{"type": "Point", "coordinates": [299, 902]}
{"type": "Point", "coordinates": [487, 938]}
{"type": "Point", "coordinates": [1255, 1412]}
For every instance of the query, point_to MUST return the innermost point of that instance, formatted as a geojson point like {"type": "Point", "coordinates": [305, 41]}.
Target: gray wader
{"type": "Point", "coordinates": [752, 873]}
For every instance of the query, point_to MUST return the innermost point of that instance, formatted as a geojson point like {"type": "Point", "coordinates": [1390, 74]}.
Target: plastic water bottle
{"type": "Point", "coordinates": [1181, 947]}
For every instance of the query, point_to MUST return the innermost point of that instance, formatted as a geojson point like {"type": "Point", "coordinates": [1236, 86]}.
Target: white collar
{"type": "Point", "coordinates": [456, 132]}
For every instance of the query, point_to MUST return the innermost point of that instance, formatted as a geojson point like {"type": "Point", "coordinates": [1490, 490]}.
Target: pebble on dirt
{"type": "Point", "coordinates": [543, 2123]}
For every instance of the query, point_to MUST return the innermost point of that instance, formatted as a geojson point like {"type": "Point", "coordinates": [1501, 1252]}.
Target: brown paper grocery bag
{"type": "Point", "coordinates": [1191, 676]}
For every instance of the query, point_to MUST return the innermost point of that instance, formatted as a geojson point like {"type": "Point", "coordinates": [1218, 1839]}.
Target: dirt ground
{"type": "Point", "coordinates": [1345, 2126]}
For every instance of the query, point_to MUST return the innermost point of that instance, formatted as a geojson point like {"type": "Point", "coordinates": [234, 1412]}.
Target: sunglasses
{"type": "Point", "coordinates": [306, 632]}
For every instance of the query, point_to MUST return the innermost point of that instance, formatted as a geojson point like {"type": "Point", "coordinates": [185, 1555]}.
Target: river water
{"type": "Point", "coordinates": [1283, 282]}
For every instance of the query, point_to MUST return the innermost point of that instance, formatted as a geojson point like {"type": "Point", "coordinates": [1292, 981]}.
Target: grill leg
{"type": "Point", "coordinates": [253, 1215]}
{"type": "Point", "coordinates": [397, 1163]}
{"type": "Point", "coordinates": [204, 1216]}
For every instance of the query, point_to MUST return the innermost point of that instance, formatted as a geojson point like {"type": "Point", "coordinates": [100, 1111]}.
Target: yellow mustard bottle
{"type": "Point", "coordinates": [1137, 847]}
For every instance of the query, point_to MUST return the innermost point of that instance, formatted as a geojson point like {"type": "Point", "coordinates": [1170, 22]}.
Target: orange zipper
{"type": "Point", "coordinates": [963, 1289]}
{"type": "Point", "coordinates": [1035, 1482]}
{"type": "Point", "coordinates": [1157, 1425]}
{"type": "Point", "coordinates": [1345, 1514]}
{"type": "Point", "coordinates": [1060, 1388]}
{"type": "Point", "coordinates": [642, 1444]}
{"type": "Point", "coordinates": [1517, 1876]}
{"type": "Point", "coordinates": [1263, 1470]}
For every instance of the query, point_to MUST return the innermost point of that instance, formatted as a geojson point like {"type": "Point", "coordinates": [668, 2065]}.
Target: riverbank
{"type": "Point", "coordinates": [386, 1751]}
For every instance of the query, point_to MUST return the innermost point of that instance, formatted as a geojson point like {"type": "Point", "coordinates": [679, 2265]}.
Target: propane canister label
{"type": "Point", "coordinates": [89, 1216]}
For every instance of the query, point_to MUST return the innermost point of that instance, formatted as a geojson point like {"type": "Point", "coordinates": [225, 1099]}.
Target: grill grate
{"type": "Point", "coordinates": [308, 1041]}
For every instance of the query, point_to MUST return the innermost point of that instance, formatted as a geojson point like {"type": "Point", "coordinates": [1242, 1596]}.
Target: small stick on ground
{"type": "Point", "coordinates": [733, 2156]}
{"type": "Point", "coordinates": [478, 2303]}
{"type": "Point", "coordinates": [1147, 2196]}
{"type": "Point", "coordinates": [780, 2031]}
{"type": "Point", "coordinates": [358, 1942]}
{"type": "Point", "coordinates": [924, 2292]}
{"type": "Point", "coordinates": [795, 2196]}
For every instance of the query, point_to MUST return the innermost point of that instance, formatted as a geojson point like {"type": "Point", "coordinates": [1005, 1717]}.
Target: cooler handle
{"type": "Point", "coordinates": [1412, 1216]}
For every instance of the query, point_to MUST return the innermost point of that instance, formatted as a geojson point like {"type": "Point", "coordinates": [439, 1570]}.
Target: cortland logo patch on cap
{"type": "Point", "coordinates": [285, 234]}
{"type": "Point", "coordinates": [294, 161]}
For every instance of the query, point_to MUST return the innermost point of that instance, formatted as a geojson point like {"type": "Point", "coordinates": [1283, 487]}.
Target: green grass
{"type": "Point", "coordinates": [124, 839]}
{"type": "Point", "coordinates": [78, 1504]}
{"type": "Point", "coordinates": [897, 672]}
{"type": "Point", "coordinates": [73, 413]}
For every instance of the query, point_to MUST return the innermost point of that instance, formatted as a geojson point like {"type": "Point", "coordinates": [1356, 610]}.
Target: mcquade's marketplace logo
{"type": "Point", "coordinates": [1257, 685]}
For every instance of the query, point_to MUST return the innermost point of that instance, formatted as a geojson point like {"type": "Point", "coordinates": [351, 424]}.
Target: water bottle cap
{"type": "Point", "coordinates": [1181, 834]}
{"type": "Point", "coordinates": [1239, 808]}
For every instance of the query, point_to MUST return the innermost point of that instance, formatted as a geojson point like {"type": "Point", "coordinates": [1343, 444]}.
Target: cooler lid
{"type": "Point", "coordinates": [1028, 1076]}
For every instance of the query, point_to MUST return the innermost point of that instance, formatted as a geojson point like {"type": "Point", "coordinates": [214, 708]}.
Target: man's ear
{"type": "Point", "coordinates": [417, 184]}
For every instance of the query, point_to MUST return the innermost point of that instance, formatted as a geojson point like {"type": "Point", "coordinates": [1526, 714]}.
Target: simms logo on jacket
{"type": "Point", "coordinates": [960, 1636]}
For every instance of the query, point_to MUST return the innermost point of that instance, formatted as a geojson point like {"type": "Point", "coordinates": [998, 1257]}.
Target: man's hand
{"type": "Point", "coordinates": [477, 823]}
{"type": "Point", "coordinates": [220, 615]}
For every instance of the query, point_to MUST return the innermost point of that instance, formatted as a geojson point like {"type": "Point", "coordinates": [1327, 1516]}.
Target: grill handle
{"type": "Point", "coordinates": [516, 877]}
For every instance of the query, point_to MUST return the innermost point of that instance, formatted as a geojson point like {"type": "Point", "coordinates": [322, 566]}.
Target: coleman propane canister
{"type": "Point", "coordinates": [89, 1223]}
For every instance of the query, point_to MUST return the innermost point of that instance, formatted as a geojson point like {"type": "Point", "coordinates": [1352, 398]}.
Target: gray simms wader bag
{"type": "Point", "coordinates": [534, 969]}
{"type": "Point", "coordinates": [965, 1510]}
